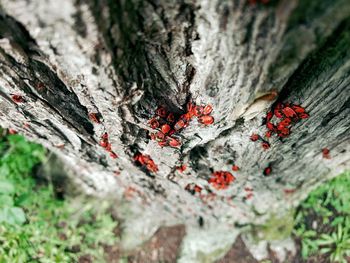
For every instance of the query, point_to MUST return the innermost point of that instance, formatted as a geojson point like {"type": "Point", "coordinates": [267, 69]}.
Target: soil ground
{"type": "Point", "coordinates": [165, 247]}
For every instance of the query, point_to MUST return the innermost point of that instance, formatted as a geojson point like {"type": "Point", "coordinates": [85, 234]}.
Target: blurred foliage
{"type": "Point", "coordinates": [37, 227]}
{"type": "Point", "coordinates": [323, 221]}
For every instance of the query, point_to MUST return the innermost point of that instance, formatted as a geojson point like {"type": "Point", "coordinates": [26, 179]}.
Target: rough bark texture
{"type": "Point", "coordinates": [123, 58]}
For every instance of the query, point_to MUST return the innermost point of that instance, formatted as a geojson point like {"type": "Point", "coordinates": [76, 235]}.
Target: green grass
{"type": "Point", "coordinates": [323, 221]}
{"type": "Point", "coordinates": [34, 225]}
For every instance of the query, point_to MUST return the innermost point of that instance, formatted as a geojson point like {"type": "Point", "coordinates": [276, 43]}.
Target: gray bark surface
{"type": "Point", "coordinates": [123, 58]}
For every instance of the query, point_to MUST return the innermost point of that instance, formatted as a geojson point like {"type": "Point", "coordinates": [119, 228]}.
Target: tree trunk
{"type": "Point", "coordinates": [121, 59]}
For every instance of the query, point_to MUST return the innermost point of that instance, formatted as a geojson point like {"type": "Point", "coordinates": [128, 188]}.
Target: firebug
{"type": "Point", "coordinates": [161, 112]}
{"type": "Point", "coordinates": [206, 120]}
{"type": "Point", "coordinates": [207, 109]}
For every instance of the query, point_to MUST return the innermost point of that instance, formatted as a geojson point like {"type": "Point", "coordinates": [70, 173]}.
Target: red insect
{"type": "Point", "coordinates": [193, 188]}
{"type": "Point", "coordinates": [163, 143]}
{"type": "Point", "coordinates": [165, 128]}
{"type": "Point", "coordinates": [269, 116]}
{"type": "Point", "coordinates": [152, 167]}
{"type": "Point", "coordinates": [278, 113]}
{"type": "Point", "coordinates": [186, 117]}
{"type": "Point", "coordinates": [153, 123]}
{"type": "Point", "coordinates": [280, 126]}
{"type": "Point", "coordinates": [289, 191]}
{"type": "Point", "coordinates": [289, 112]}
{"type": "Point", "coordinates": [286, 122]}
{"type": "Point", "coordinates": [171, 118]}
{"type": "Point", "coordinates": [298, 109]}
{"type": "Point", "coordinates": [268, 134]}
{"type": "Point", "coordinates": [303, 115]}
{"type": "Point", "coordinates": [145, 160]}
{"type": "Point", "coordinates": [108, 147]}
{"type": "Point", "coordinates": [270, 126]}
{"type": "Point", "coordinates": [105, 136]}
{"type": "Point", "coordinates": [197, 189]}
{"type": "Point", "coordinates": [161, 112]}
{"type": "Point", "coordinates": [173, 142]}
{"type": "Point", "coordinates": [265, 145]}
{"type": "Point", "coordinates": [171, 132]}
{"type": "Point", "coordinates": [104, 140]}
{"type": "Point", "coordinates": [254, 137]}
{"type": "Point", "coordinates": [325, 153]}
{"type": "Point", "coordinates": [139, 158]}
{"type": "Point", "coordinates": [12, 131]}
{"type": "Point", "coordinates": [181, 168]}
{"type": "Point", "coordinates": [17, 98]}
{"type": "Point", "coordinates": [235, 168]}
{"type": "Point", "coordinates": [207, 109]}
{"type": "Point", "coordinates": [190, 107]}
{"type": "Point", "coordinates": [267, 170]}
{"type": "Point", "coordinates": [94, 117]}
{"type": "Point", "coordinates": [206, 120]}
{"type": "Point", "coordinates": [113, 155]}
{"type": "Point", "coordinates": [160, 136]}
{"type": "Point", "coordinates": [179, 125]}
{"type": "Point", "coordinates": [103, 143]}
{"type": "Point", "coordinates": [284, 132]}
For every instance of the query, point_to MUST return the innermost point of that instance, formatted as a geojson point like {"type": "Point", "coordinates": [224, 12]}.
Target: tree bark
{"type": "Point", "coordinates": [121, 59]}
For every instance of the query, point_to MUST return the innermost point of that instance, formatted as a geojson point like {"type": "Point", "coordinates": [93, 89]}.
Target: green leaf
{"type": "Point", "coordinates": [23, 199]}
{"type": "Point", "coordinates": [6, 200]}
{"type": "Point", "coordinates": [325, 250]}
{"type": "Point", "coordinates": [12, 215]}
{"type": "Point", "coordinates": [6, 187]}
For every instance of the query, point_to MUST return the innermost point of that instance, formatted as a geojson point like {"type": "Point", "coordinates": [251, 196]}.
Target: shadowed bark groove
{"type": "Point", "coordinates": [121, 59]}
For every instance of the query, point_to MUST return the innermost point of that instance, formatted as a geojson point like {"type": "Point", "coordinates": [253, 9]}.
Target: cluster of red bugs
{"type": "Point", "coordinates": [221, 179]}
{"type": "Point", "coordinates": [168, 124]}
{"type": "Point", "coordinates": [288, 114]}
{"type": "Point", "coordinates": [107, 145]}
{"type": "Point", "coordinates": [285, 116]}
{"type": "Point", "coordinates": [146, 161]}
{"type": "Point", "coordinates": [279, 121]}
{"type": "Point", "coordinates": [265, 144]}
